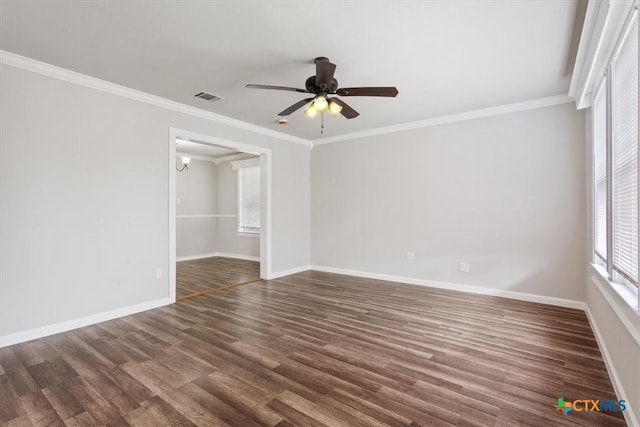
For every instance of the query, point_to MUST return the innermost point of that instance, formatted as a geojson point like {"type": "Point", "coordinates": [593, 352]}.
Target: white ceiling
{"type": "Point", "coordinates": [444, 57]}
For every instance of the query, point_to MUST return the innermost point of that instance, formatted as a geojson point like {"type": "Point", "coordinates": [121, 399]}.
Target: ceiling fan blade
{"type": "Point", "coordinates": [324, 72]}
{"type": "Point", "coordinates": [347, 111]}
{"type": "Point", "coordinates": [367, 91]}
{"type": "Point", "coordinates": [295, 107]}
{"type": "Point", "coordinates": [292, 89]}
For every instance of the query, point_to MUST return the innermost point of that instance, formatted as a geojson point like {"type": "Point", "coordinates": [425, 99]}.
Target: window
{"type": "Point", "coordinates": [600, 173]}
{"type": "Point", "coordinates": [248, 197]}
{"type": "Point", "coordinates": [615, 149]}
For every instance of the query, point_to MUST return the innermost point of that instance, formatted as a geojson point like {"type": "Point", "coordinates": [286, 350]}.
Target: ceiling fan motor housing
{"type": "Point", "coordinates": [311, 86]}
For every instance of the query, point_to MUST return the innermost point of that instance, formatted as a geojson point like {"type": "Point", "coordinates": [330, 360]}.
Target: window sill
{"type": "Point", "coordinates": [248, 234]}
{"type": "Point", "coordinates": [628, 293]}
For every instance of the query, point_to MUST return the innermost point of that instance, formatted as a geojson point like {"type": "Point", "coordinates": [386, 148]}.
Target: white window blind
{"type": "Point", "coordinates": [249, 199]}
{"type": "Point", "coordinates": [600, 171]}
{"type": "Point", "coordinates": [625, 157]}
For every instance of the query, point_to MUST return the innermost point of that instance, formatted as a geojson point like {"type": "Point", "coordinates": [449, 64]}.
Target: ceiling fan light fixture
{"type": "Point", "coordinates": [311, 111]}
{"type": "Point", "coordinates": [334, 108]}
{"type": "Point", "coordinates": [320, 103]}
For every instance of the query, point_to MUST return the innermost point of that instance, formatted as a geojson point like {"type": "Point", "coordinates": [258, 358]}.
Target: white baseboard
{"type": "Point", "coordinates": [238, 256]}
{"type": "Point", "coordinates": [67, 325]}
{"type": "Point", "coordinates": [629, 415]}
{"type": "Point", "coordinates": [220, 254]}
{"type": "Point", "coordinates": [561, 302]}
{"type": "Point", "coordinates": [197, 256]}
{"type": "Point", "coordinates": [288, 272]}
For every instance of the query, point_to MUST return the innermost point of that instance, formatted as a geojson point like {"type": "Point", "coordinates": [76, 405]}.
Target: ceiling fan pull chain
{"type": "Point", "coordinates": [322, 123]}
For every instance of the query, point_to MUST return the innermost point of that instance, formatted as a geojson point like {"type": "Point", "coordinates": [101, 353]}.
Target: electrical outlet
{"type": "Point", "coordinates": [411, 256]}
{"type": "Point", "coordinates": [158, 273]}
{"type": "Point", "coordinates": [464, 267]}
{"type": "Point", "coordinates": [178, 201]}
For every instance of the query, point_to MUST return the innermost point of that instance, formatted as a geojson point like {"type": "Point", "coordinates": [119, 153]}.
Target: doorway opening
{"type": "Point", "coordinates": [219, 214]}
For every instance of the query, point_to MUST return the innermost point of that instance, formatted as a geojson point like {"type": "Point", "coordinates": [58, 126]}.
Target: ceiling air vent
{"type": "Point", "coordinates": [207, 96]}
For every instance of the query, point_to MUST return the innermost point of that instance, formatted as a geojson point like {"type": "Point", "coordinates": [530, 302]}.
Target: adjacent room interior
{"type": "Point", "coordinates": [217, 218]}
{"type": "Point", "coordinates": [319, 213]}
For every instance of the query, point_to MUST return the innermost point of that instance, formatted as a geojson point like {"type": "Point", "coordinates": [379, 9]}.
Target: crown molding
{"type": "Point", "coordinates": [32, 65]}
{"type": "Point", "coordinates": [604, 26]}
{"type": "Point", "coordinates": [451, 118]}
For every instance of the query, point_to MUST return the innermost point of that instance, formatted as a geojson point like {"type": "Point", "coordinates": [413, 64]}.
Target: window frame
{"type": "Point", "coordinates": [602, 259]}
{"type": "Point", "coordinates": [624, 285]}
{"type": "Point", "coordinates": [238, 166]}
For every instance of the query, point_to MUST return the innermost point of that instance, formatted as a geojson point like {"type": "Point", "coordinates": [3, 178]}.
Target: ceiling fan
{"type": "Point", "coordinates": [321, 86]}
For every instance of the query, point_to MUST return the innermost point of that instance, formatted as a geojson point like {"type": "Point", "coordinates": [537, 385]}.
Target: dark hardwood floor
{"type": "Point", "coordinates": [205, 274]}
{"type": "Point", "coordinates": [314, 349]}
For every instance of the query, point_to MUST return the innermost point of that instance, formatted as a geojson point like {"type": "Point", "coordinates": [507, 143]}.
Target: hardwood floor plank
{"type": "Point", "coordinates": [191, 409]}
{"type": "Point", "coordinates": [97, 407]}
{"type": "Point", "coordinates": [444, 396]}
{"type": "Point", "coordinates": [184, 364]}
{"type": "Point", "coordinates": [292, 415]}
{"type": "Point", "coordinates": [314, 379]}
{"type": "Point", "coordinates": [82, 419]}
{"type": "Point", "coordinates": [119, 422]}
{"type": "Point", "coordinates": [222, 410]}
{"type": "Point", "coordinates": [22, 421]}
{"type": "Point", "coordinates": [39, 410]}
{"type": "Point", "coordinates": [32, 353]}
{"type": "Point", "coordinates": [155, 376]}
{"type": "Point", "coordinates": [133, 388]}
{"type": "Point", "coordinates": [209, 274]}
{"type": "Point", "coordinates": [246, 399]}
{"type": "Point", "coordinates": [63, 402]}
{"type": "Point", "coordinates": [18, 375]}
{"type": "Point", "coordinates": [445, 414]}
{"type": "Point", "coordinates": [114, 395]}
{"type": "Point", "coordinates": [318, 412]}
{"type": "Point", "coordinates": [208, 291]}
{"type": "Point", "coordinates": [10, 404]}
{"type": "Point", "coordinates": [312, 349]}
{"type": "Point", "coordinates": [344, 371]}
{"type": "Point", "coordinates": [157, 412]}
{"type": "Point", "coordinates": [364, 404]}
{"type": "Point", "coordinates": [332, 405]}
{"type": "Point", "coordinates": [51, 372]}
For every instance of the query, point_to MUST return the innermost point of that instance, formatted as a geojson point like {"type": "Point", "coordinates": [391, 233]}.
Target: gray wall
{"type": "Point", "coordinates": [84, 199]}
{"type": "Point", "coordinates": [196, 189]}
{"type": "Point", "coordinates": [505, 194]}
